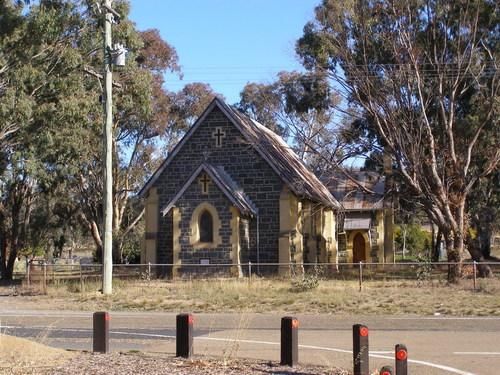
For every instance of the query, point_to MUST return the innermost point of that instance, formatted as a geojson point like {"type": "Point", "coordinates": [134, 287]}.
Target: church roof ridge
{"type": "Point", "coordinates": [284, 161]}
{"type": "Point", "coordinates": [271, 147]}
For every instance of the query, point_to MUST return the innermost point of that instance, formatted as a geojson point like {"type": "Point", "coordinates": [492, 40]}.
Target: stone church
{"type": "Point", "coordinates": [233, 192]}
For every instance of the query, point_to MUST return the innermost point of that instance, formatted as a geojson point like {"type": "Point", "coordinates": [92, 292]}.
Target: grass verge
{"type": "Point", "coordinates": [268, 295]}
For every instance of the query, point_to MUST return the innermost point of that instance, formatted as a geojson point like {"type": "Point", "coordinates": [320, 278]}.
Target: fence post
{"type": "Point", "coordinates": [184, 335]}
{"type": "Point", "coordinates": [44, 277]}
{"type": "Point", "coordinates": [401, 360]}
{"type": "Point", "coordinates": [360, 349]}
{"type": "Point", "coordinates": [81, 279]}
{"type": "Point", "coordinates": [289, 341]}
{"type": "Point", "coordinates": [249, 270]}
{"type": "Point", "coordinates": [149, 271]}
{"type": "Point", "coordinates": [28, 271]}
{"type": "Point", "coordinates": [474, 273]}
{"type": "Point", "coordinates": [360, 275]}
{"type": "Point", "coordinates": [101, 332]}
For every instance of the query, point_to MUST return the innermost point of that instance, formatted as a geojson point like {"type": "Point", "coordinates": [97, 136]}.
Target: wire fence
{"type": "Point", "coordinates": [44, 273]}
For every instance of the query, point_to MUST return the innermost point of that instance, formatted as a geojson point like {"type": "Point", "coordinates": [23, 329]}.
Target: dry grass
{"type": "Point", "coordinates": [20, 356]}
{"type": "Point", "coordinates": [266, 295]}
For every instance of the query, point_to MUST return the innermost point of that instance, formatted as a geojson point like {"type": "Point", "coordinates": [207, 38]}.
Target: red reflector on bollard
{"type": "Point", "coordinates": [360, 349]}
{"type": "Point", "coordinates": [401, 355]}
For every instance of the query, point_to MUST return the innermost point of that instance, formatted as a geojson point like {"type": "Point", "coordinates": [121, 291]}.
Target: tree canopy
{"type": "Point", "coordinates": [51, 120]}
{"type": "Point", "coordinates": [423, 77]}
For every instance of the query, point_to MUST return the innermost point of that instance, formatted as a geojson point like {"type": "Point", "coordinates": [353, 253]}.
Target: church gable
{"type": "Point", "coordinates": [207, 175]}
{"type": "Point", "coordinates": [245, 182]}
{"type": "Point", "coordinates": [214, 140]}
{"type": "Point", "coordinates": [227, 126]}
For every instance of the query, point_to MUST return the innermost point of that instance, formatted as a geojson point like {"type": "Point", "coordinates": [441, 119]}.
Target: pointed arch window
{"type": "Point", "coordinates": [206, 226]}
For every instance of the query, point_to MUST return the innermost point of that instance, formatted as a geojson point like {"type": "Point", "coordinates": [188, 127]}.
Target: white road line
{"type": "Point", "coordinates": [476, 353]}
{"type": "Point", "coordinates": [416, 361]}
{"type": "Point", "coordinates": [143, 334]}
{"type": "Point", "coordinates": [444, 318]}
{"type": "Point", "coordinates": [423, 363]}
{"type": "Point", "coordinates": [374, 355]}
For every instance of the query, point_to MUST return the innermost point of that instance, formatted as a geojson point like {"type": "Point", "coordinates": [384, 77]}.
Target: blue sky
{"type": "Point", "coordinates": [227, 43]}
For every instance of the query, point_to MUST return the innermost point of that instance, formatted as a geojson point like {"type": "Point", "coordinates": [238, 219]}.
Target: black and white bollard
{"type": "Point", "coordinates": [289, 341]}
{"type": "Point", "coordinates": [184, 335]}
{"type": "Point", "coordinates": [386, 370]}
{"type": "Point", "coordinates": [360, 349]}
{"type": "Point", "coordinates": [401, 360]}
{"type": "Point", "coordinates": [101, 332]}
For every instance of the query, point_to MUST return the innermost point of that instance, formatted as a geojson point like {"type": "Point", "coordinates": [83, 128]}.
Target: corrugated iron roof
{"type": "Point", "coordinates": [283, 159]}
{"type": "Point", "coordinates": [352, 223]}
{"type": "Point", "coordinates": [351, 196]}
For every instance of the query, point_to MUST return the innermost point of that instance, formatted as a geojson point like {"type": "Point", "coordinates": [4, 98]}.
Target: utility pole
{"type": "Point", "coordinates": [107, 256]}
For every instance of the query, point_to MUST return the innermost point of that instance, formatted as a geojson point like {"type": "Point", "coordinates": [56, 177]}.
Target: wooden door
{"type": "Point", "coordinates": [358, 248]}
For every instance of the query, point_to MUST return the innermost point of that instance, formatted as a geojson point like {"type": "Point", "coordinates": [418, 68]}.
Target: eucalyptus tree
{"type": "Point", "coordinates": [423, 75]}
{"type": "Point", "coordinates": [302, 108]}
{"type": "Point", "coordinates": [51, 120]}
{"type": "Point", "coordinates": [36, 65]}
{"type": "Point", "coordinates": [147, 119]}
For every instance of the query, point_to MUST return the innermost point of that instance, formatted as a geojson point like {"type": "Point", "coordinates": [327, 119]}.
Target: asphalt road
{"type": "Point", "coordinates": [436, 345]}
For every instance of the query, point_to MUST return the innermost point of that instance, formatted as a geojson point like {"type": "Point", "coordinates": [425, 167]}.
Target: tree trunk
{"type": "Point", "coordinates": [96, 236]}
{"type": "Point", "coordinates": [3, 261]}
{"type": "Point", "coordinates": [474, 248]}
{"type": "Point", "coordinates": [10, 264]}
{"type": "Point", "coordinates": [437, 245]}
{"type": "Point", "coordinates": [8, 258]}
{"type": "Point", "coordinates": [453, 251]}
{"type": "Point", "coordinates": [484, 237]}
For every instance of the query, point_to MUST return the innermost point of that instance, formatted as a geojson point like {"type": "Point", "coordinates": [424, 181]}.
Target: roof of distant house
{"type": "Point", "coordinates": [352, 196]}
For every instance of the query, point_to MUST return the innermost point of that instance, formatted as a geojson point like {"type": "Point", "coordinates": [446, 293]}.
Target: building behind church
{"type": "Point", "coordinates": [233, 192]}
{"type": "Point", "coordinates": [365, 230]}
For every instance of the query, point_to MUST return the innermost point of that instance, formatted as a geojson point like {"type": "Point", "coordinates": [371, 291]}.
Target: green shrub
{"type": "Point", "coordinates": [417, 240]}
{"type": "Point", "coordinates": [308, 281]}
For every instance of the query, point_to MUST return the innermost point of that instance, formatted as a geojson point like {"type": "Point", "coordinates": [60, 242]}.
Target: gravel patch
{"type": "Point", "coordinates": [132, 363]}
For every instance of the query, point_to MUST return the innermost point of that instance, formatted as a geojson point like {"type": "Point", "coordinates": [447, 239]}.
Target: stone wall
{"type": "Point", "coordinates": [245, 166]}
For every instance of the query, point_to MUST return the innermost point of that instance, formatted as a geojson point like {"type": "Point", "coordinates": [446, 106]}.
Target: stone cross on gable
{"type": "Point", "coordinates": [218, 134]}
{"type": "Point", "coordinates": [204, 181]}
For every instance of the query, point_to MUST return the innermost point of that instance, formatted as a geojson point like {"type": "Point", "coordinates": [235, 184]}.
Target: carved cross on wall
{"type": "Point", "coordinates": [218, 135]}
{"type": "Point", "coordinates": [204, 181]}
